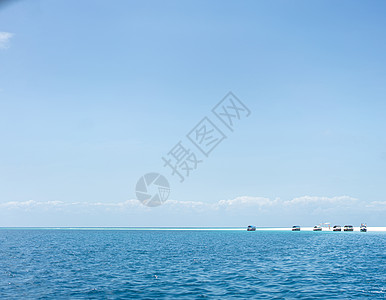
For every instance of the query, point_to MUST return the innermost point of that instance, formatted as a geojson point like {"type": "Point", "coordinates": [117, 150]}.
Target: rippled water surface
{"type": "Point", "coordinates": [98, 264]}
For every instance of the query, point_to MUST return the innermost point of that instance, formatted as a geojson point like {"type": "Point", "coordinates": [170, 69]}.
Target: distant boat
{"type": "Point", "coordinates": [336, 228]}
{"type": "Point", "coordinates": [348, 228]}
{"type": "Point", "coordinates": [295, 228]}
{"type": "Point", "coordinates": [251, 228]}
{"type": "Point", "coordinates": [317, 228]}
{"type": "Point", "coordinates": [363, 227]}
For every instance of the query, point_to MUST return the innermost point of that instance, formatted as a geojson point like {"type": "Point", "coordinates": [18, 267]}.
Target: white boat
{"type": "Point", "coordinates": [317, 228]}
{"type": "Point", "coordinates": [251, 228]}
{"type": "Point", "coordinates": [363, 227]}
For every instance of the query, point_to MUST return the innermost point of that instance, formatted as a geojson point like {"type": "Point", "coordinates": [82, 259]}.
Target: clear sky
{"type": "Point", "coordinates": [94, 93]}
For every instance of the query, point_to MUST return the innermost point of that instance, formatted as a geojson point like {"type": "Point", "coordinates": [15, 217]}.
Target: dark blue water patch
{"type": "Point", "coordinates": [112, 264]}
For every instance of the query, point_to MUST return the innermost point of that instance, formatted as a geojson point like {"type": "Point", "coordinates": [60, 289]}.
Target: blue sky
{"type": "Point", "coordinates": [92, 95]}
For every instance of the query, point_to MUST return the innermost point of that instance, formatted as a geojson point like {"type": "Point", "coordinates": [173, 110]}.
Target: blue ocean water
{"type": "Point", "coordinates": [100, 264]}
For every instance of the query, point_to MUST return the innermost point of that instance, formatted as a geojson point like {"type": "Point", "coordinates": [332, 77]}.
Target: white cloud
{"type": "Point", "coordinates": [29, 204]}
{"type": "Point", "coordinates": [4, 39]}
{"type": "Point", "coordinates": [187, 204]}
{"type": "Point", "coordinates": [239, 211]}
{"type": "Point", "coordinates": [230, 204]}
{"type": "Point", "coordinates": [32, 204]}
{"type": "Point", "coordinates": [247, 203]}
{"type": "Point", "coordinates": [314, 200]}
{"type": "Point", "coordinates": [377, 205]}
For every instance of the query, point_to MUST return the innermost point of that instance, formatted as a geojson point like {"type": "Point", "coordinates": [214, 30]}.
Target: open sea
{"type": "Point", "coordinates": [191, 264]}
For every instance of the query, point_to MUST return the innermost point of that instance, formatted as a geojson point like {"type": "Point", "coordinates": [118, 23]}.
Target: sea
{"type": "Point", "coordinates": [125, 263]}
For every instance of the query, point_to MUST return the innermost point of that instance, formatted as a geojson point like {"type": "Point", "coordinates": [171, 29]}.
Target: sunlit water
{"type": "Point", "coordinates": [98, 264]}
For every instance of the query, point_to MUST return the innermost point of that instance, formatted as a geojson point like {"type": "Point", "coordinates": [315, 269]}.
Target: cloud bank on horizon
{"type": "Point", "coordinates": [239, 211]}
{"type": "Point", "coordinates": [236, 203]}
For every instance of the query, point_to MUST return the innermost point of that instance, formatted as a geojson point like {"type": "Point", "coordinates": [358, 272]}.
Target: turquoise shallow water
{"type": "Point", "coordinates": [99, 264]}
